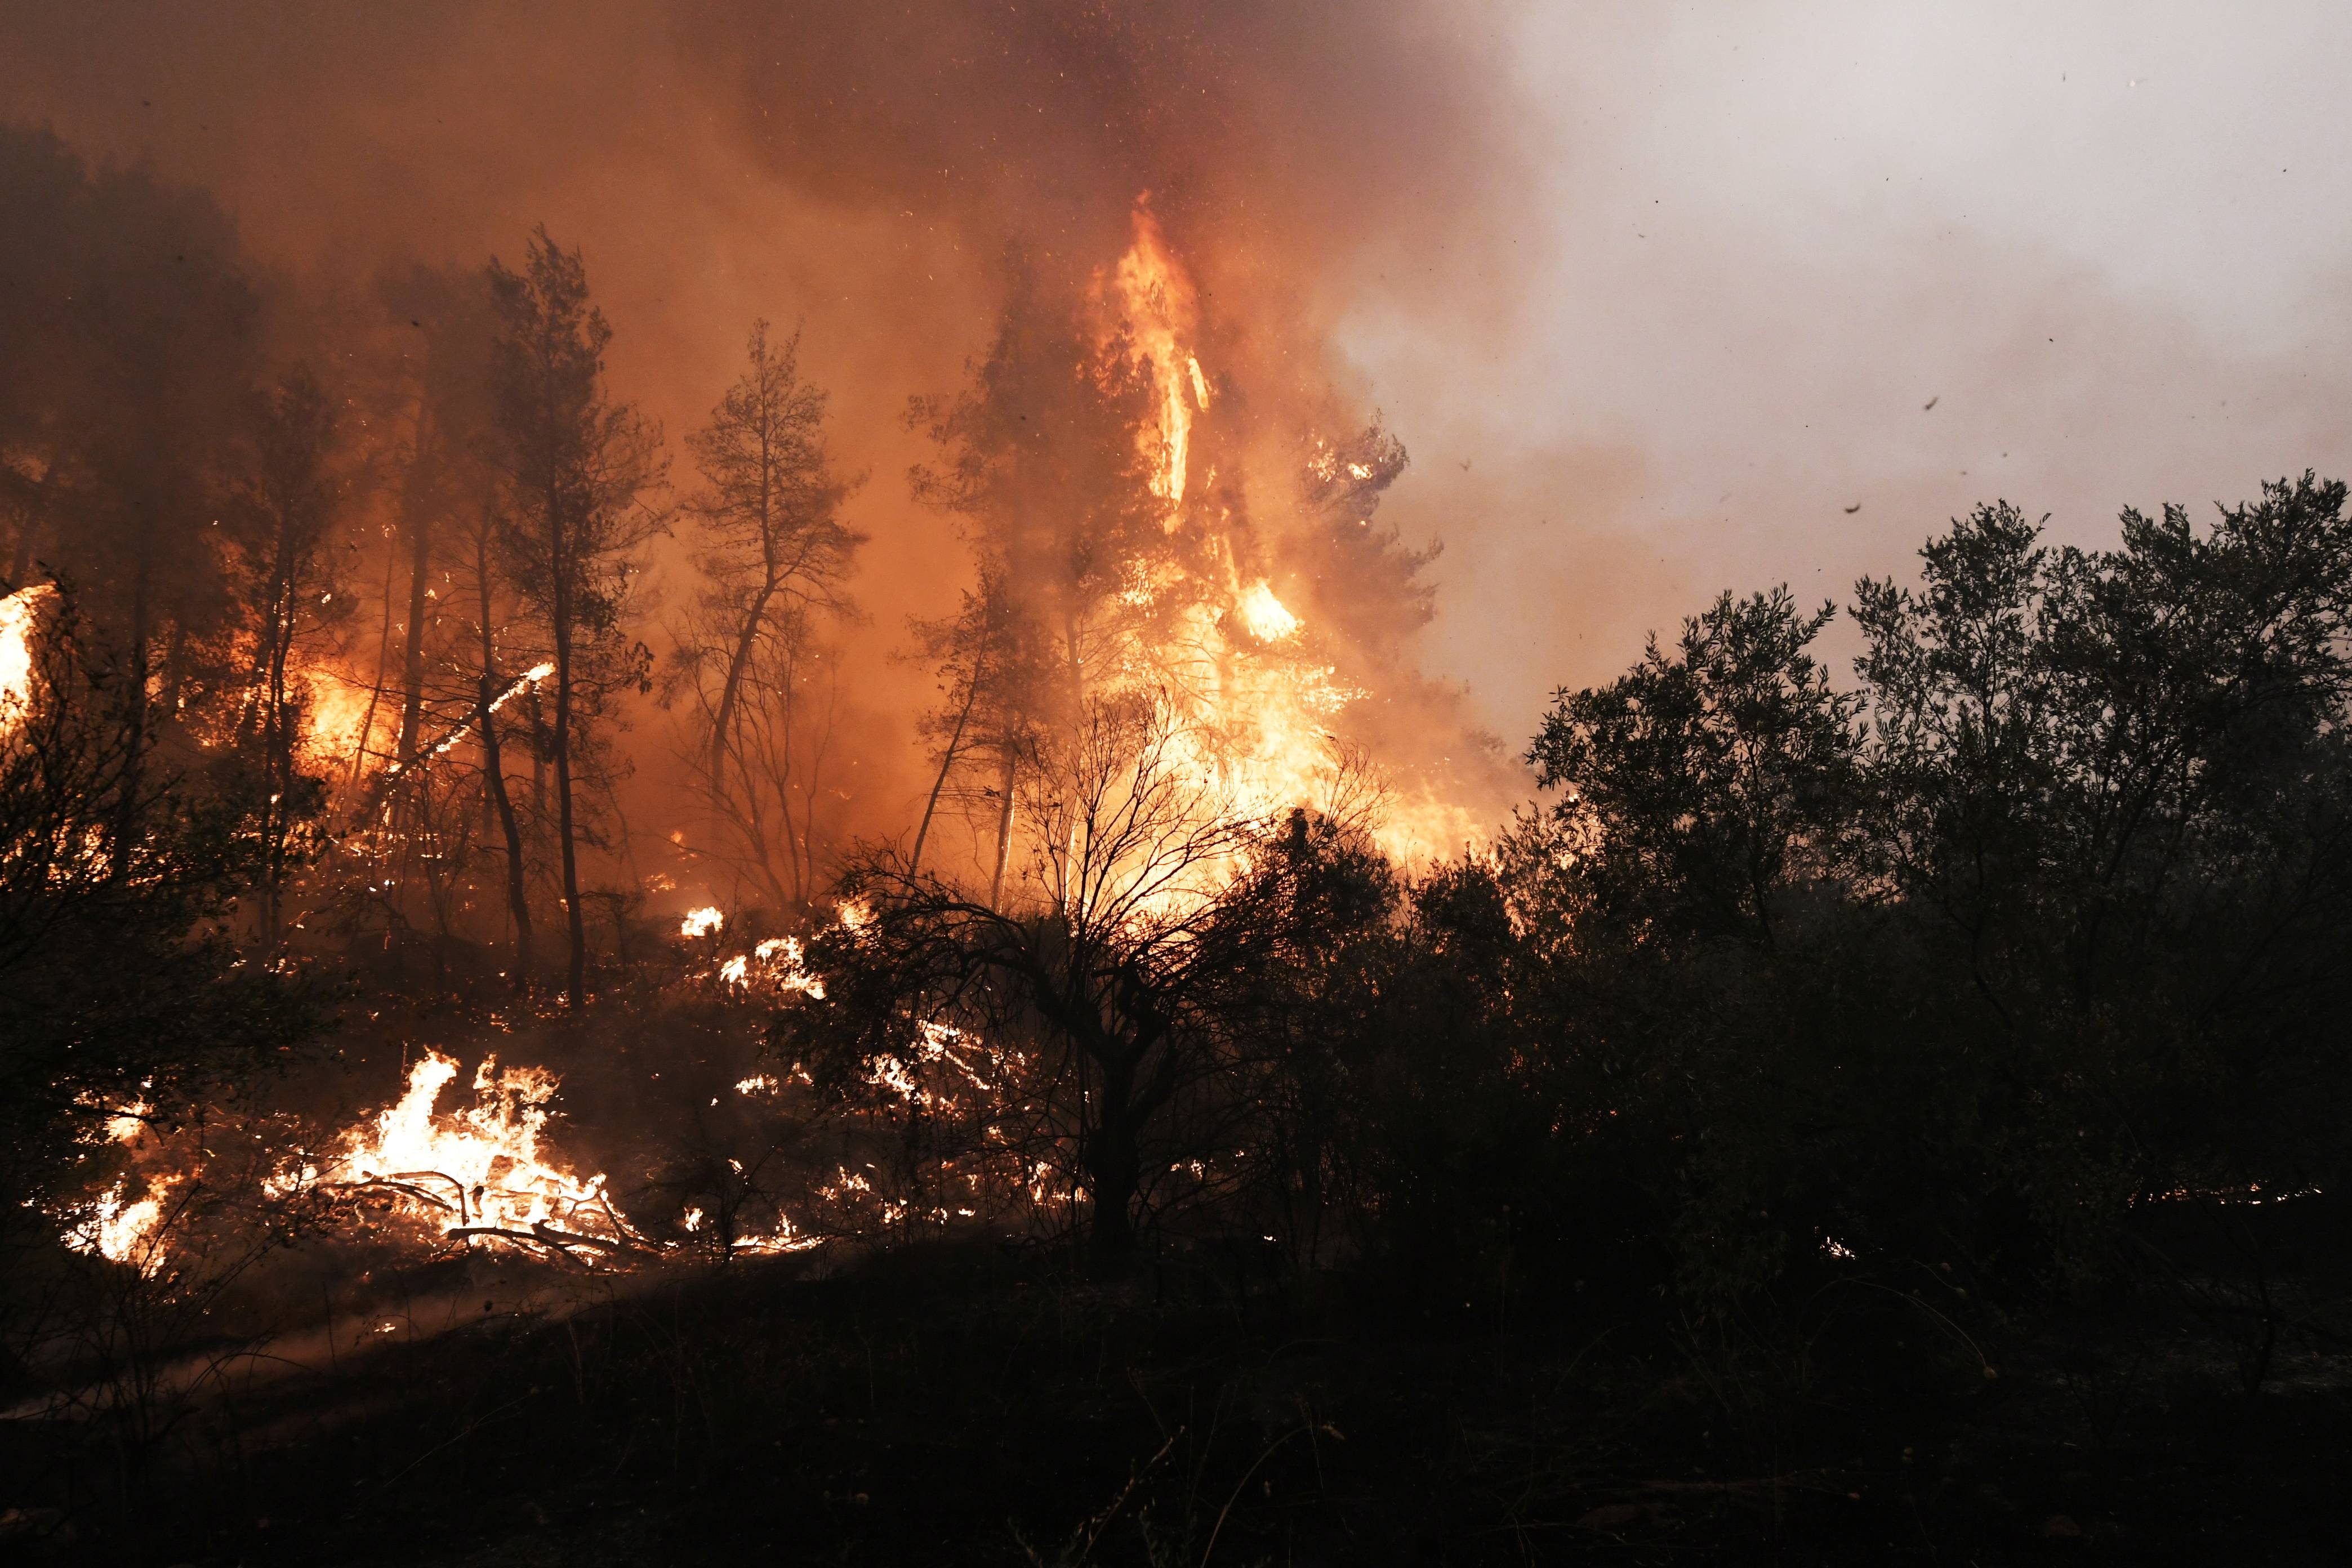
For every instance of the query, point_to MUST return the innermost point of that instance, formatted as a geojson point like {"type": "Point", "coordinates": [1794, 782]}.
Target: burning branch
{"type": "Point", "coordinates": [515, 688]}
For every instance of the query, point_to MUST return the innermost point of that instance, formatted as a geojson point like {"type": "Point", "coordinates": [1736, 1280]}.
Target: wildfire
{"type": "Point", "coordinates": [1156, 298]}
{"type": "Point", "coordinates": [1265, 616]}
{"type": "Point", "coordinates": [481, 1172]}
{"type": "Point", "coordinates": [117, 1226]}
{"type": "Point", "coordinates": [1254, 707]}
{"type": "Point", "coordinates": [704, 922]}
{"type": "Point", "coordinates": [777, 963]}
{"type": "Point", "coordinates": [19, 617]}
{"type": "Point", "coordinates": [123, 1232]}
{"type": "Point", "coordinates": [336, 714]}
{"type": "Point", "coordinates": [1257, 706]}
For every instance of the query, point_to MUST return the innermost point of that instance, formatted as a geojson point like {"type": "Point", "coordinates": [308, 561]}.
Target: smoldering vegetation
{"type": "Point", "coordinates": [524, 1041]}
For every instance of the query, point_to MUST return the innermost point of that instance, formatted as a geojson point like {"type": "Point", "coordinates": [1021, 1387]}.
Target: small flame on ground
{"type": "Point", "coordinates": [778, 964]}
{"type": "Point", "coordinates": [704, 922]}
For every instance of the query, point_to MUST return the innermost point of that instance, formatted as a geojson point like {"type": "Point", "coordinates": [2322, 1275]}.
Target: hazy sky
{"type": "Point", "coordinates": [2110, 241]}
{"type": "Point", "coordinates": [1653, 294]}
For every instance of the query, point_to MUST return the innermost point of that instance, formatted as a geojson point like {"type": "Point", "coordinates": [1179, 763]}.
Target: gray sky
{"type": "Point", "coordinates": [2109, 240]}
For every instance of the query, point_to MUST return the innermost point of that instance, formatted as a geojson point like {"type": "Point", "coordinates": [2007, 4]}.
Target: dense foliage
{"type": "Point", "coordinates": [1958, 968]}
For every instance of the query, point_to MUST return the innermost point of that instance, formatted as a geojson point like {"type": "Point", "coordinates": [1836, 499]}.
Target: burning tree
{"type": "Point", "coordinates": [1147, 975]}
{"type": "Point", "coordinates": [1101, 477]}
{"type": "Point", "coordinates": [1041, 459]}
{"type": "Point", "coordinates": [280, 533]}
{"type": "Point", "coordinates": [774, 558]}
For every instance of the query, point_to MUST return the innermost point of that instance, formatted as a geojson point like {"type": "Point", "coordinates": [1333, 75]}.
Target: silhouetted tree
{"type": "Point", "coordinates": [774, 558]}
{"type": "Point", "coordinates": [577, 468]}
{"type": "Point", "coordinates": [1715, 774]}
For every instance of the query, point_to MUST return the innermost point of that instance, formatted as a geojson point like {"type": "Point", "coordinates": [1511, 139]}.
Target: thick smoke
{"type": "Point", "coordinates": [859, 172]}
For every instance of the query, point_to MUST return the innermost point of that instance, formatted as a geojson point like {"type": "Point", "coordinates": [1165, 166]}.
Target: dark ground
{"type": "Point", "coordinates": [968, 1406]}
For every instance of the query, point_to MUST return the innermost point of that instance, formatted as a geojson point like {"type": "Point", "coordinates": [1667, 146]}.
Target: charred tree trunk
{"type": "Point", "coordinates": [494, 776]}
{"type": "Point", "coordinates": [29, 510]}
{"type": "Point", "coordinates": [277, 747]}
{"type": "Point", "coordinates": [1114, 1167]}
{"type": "Point", "coordinates": [134, 714]}
{"type": "Point", "coordinates": [947, 762]}
{"type": "Point", "coordinates": [722, 722]}
{"type": "Point", "coordinates": [575, 984]}
{"type": "Point", "coordinates": [416, 503]}
{"type": "Point", "coordinates": [540, 747]}
{"type": "Point", "coordinates": [383, 668]}
{"type": "Point", "coordinates": [411, 667]}
{"type": "Point", "coordinates": [1004, 827]}
{"type": "Point", "coordinates": [518, 892]}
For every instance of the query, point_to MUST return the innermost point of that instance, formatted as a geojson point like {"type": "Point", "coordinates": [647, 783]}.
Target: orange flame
{"type": "Point", "coordinates": [1260, 706]}
{"type": "Point", "coordinates": [19, 616]}
{"type": "Point", "coordinates": [1157, 300]}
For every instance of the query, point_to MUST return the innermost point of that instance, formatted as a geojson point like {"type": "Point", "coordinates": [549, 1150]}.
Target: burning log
{"type": "Point", "coordinates": [394, 1185]}
{"type": "Point", "coordinates": [402, 1180]}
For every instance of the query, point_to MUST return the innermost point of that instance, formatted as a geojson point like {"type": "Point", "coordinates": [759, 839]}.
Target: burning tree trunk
{"type": "Point", "coordinates": [416, 528]}
{"type": "Point", "coordinates": [562, 610]}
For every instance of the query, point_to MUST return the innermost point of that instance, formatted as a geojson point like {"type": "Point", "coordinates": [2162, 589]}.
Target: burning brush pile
{"type": "Point", "coordinates": [767, 1163]}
